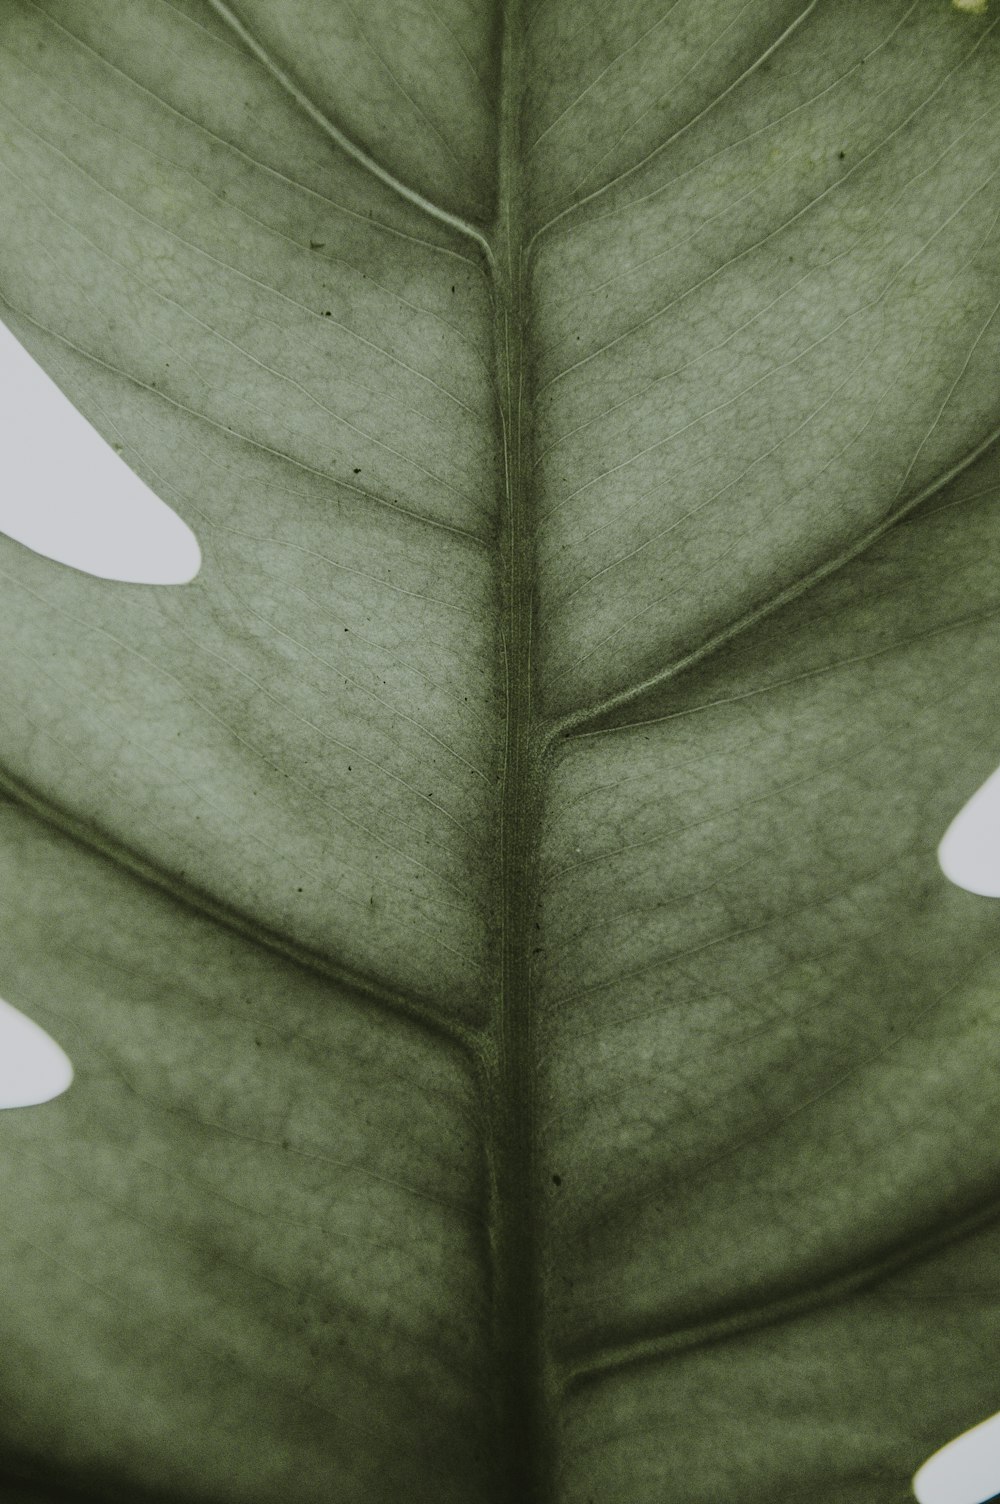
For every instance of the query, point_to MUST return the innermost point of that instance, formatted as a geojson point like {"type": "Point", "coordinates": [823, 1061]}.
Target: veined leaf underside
{"type": "Point", "coordinates": [525, 1048]}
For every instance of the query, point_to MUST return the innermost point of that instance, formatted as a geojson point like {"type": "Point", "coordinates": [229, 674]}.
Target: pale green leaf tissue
{"type": "Point", "coordinates": [525, 1046]}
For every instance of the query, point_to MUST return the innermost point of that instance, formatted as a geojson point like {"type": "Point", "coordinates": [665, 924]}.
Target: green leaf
{"type": "Point", "coordinates": [525, 1047]}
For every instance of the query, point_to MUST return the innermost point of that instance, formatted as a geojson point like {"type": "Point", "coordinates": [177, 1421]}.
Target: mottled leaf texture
{"type": "Point", "coordinates": [525, 1047]}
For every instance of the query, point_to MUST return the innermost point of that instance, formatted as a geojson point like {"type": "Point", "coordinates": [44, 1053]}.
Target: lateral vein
{"type": "Point", "coordinates": [408, 1009]}
{"type": "Point", "coordinates": [584, 1369]}
{"type": "Point", "coordinates": [586, 721]}
{"type": "Point", "coordinates": [357, 153]}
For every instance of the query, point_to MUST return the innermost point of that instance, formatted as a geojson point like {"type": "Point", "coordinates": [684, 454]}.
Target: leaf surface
{"type": "Point", "coordinates": [525, 1047]}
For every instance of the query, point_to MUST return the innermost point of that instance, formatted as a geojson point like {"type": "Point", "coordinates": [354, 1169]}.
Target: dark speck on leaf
{"type": "Point", "coordinates": [326, 313]}
{"type": "Point", "coordinates": [357, 470]}
{"type": "Point", "coordinates": [557, 1180]}
{"type": "Point", "coordinates": [841, 155]}
{"type": "Point", "coordinates": [316, 245]}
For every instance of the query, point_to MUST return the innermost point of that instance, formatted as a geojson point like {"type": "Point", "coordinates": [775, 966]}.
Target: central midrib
{"type": "Point", "coordinates": [522, 1449]}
